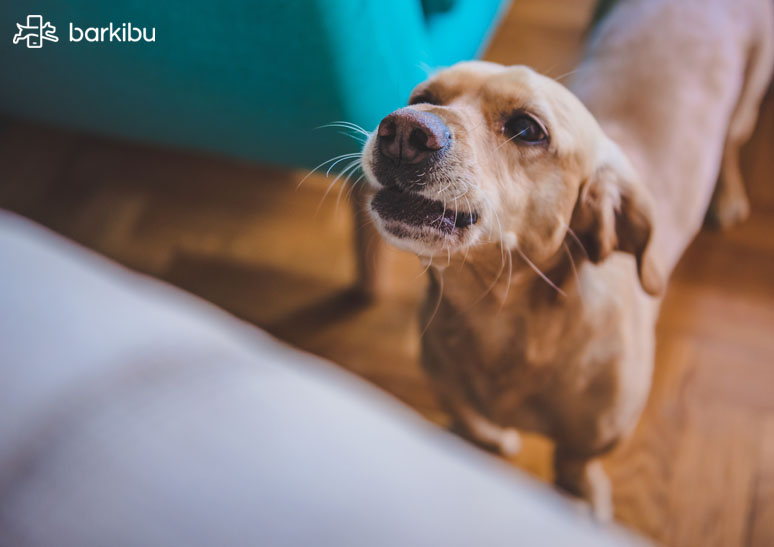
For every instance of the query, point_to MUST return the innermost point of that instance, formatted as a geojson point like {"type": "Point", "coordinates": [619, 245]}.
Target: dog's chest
{"type": "Point", "coordinates": [497, 359]}
{"type": "Point", "coordinates": [514, 365]}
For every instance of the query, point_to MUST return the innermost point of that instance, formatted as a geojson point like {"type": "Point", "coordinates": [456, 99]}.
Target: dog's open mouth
{"type": "Point", "coordinates": [407, 208]}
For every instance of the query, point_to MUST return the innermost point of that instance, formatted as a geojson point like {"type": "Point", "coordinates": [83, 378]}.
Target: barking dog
{"type": "Point", "coordinates": [552, 217]}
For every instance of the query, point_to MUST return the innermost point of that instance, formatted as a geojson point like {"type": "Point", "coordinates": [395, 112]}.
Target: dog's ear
{"type": "Point", "coordinates": [614, 211]}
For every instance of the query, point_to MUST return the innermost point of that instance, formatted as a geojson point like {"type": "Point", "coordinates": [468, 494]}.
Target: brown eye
{"type": "Point", "coordinates": [523, 128]}
{"type": "Point", "coordinates": [423, 97]}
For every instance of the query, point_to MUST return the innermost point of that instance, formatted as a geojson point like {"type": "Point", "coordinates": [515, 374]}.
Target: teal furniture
{"type": "Point", "coordinates": [251, 79]}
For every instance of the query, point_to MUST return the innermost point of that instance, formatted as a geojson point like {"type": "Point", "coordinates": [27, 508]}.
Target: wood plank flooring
{"type": "Point", "coordinates": [699, 470]}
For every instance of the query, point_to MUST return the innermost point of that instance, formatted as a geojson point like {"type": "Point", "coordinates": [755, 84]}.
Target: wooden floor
{"type": "Point", "coordinates": [700, 469]}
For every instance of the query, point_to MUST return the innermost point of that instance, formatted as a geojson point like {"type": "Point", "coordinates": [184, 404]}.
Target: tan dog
{"type": "Point", "coordinates": [551, 225]}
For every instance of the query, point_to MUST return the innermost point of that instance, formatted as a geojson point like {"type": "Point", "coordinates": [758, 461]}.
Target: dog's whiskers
{"type": "Point", "coordinates": [576, 238]}
{"type": "Point", "coordinates": [346, 125]}
{"type": "Point", "coordinates": [353, 186]}
{"type": "Point", "coordinates": [508, 284]}
{"type": "Point", "coordinates": [344, 173]}
{"type": "Point", "coordinates": [331, 166]}
{"type": "Point", "coordinates": [449, 183]}
{"type": "Point", "coordinates": [537, 270]}
{"type": "Point", "coordinates": [346, 183]}
{"type": "Point", "coordinates": [492, 285]}
{"type": "Point", "coordinates": [575, 273]}
{"type": "Point", "coordinates": [350, 126]}
{"type": "Point", "coordinates": [357, 138]}
{"type": "Point", "coordinates": [337, 159]}
{"type": "Point", "coordinates": [437, 303]}
{"type": "Point", "coordinates": [426, 68]}
{"type": "Point", "coordinates": [519, 134]}
{"type": "Point", "coordinates": [426, 268]}
{"type": "Point", "coordinates": [467, 248]}
{"type": "Point", "coordinates": [570, 73]}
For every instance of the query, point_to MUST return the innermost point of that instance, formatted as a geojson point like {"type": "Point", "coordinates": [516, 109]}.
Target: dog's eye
{"type": "Point", "coordinates": [423, 97]}
{"type": "Point", "coordinates": [525, 129]}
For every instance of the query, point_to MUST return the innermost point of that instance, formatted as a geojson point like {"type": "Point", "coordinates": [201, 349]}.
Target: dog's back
{"type": "Point", "coordinates": [677, 83]}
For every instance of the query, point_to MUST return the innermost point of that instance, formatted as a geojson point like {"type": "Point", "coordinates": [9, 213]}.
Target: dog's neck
{"type": "Point", "coordinates": [506, 303]}
{"type": "Point", "coordinates": [507, 278]}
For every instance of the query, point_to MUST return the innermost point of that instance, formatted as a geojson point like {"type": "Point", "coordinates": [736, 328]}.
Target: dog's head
{"type": "Point", "coordinates": [486, 157]}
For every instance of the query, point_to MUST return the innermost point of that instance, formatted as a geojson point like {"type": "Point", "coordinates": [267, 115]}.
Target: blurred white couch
{"type": "Point", "coordinates": [134, 414]}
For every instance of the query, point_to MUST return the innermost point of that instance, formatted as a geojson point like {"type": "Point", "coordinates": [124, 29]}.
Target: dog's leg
{"type": "Point", "coordinates": [729, 203]}
{"type": "Point", "coordinates": [488, 435]}
{"type": "Point", "coordinates": [470, 423]}
{"type": "Point", "coordinates": [369, 247]}
{"type": "Point", "coordinates": [584, 477]}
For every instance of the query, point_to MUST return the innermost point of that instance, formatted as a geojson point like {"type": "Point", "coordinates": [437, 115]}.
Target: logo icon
{"type": "Point", "coordinates": [35, 32]}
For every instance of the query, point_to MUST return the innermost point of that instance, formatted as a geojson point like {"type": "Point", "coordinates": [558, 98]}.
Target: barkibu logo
{"type": "Point", "coordinates": [123, 33]}
{"type": "Point", "coordinates": [35, 32]}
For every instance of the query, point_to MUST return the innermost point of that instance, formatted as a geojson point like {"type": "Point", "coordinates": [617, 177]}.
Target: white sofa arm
{"type": "Point", "coordinates": [132, 413]}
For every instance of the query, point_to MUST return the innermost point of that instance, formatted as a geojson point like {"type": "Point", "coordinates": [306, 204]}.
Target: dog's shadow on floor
{"type": "Point", "coordinates": [292, 307]}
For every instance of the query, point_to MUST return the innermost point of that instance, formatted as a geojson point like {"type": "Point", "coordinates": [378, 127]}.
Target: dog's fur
{"type": "Point", "coordinates": [654, 116]}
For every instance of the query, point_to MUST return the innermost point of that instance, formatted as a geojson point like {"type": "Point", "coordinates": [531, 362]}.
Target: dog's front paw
{"type": "Point", "coordinates": [587, 480]}
{"type": "Point", "coordinates": [600, 495]}
{"type": "Point", "coordinates": [728, 208]}
{"type": "Point", "coordinates": [510, 443]}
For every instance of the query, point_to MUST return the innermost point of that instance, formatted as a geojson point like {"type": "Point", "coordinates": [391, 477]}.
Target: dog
{"type": "Point", "coordinates": [551, 217]}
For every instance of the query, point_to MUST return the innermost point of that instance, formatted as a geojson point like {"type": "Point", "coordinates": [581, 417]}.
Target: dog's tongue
{"type": "Point", "coordinates": [410, 208]}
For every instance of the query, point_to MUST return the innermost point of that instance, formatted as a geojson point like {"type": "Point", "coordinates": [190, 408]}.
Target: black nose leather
{"type": "Point", "coordinates": [411, 136]}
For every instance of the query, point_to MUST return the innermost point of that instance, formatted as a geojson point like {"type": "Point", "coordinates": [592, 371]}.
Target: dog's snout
{"type": "Point", "coordinates": [409, 146]}
{"type": "Point", "coordinates": [411, 136]}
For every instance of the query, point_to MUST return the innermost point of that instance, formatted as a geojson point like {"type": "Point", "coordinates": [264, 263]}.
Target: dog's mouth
{"type": "Point", "coordinates": [402, 209]}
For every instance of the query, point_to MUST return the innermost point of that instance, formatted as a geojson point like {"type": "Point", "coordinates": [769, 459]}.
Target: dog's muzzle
{"type": "Point", "coordinates": [408, 142]}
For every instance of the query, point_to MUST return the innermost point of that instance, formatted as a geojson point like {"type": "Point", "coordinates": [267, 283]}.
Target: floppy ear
{"type": "Point", "coordinates": [614, 211]}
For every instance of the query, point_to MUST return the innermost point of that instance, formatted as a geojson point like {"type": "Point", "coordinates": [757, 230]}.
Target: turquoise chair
{"type": "Point", "coordinates": [249, 79]}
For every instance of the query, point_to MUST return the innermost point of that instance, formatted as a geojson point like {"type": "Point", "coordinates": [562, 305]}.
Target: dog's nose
{"type": "Point", "coordinates": [411, 136]}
